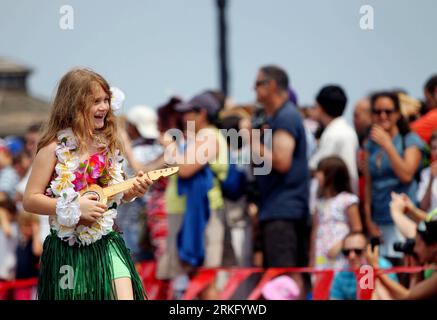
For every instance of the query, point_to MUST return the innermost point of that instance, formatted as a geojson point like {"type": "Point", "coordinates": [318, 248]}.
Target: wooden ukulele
{"type": "Point", "coordinates": [104, 193]}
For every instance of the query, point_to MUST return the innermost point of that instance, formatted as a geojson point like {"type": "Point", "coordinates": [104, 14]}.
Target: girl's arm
{"type": "Point", "coordinates": [34, 199]}
{"type": "Point", "coordinates": [355, 225]}
{"type": "Point", "coordinates": [353, 214]}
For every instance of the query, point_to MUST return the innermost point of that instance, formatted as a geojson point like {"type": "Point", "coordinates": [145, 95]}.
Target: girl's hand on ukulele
{"type": "Point", "coordinates": [139, 188]}
{"type": "Point", "coordinates": [90, 209]}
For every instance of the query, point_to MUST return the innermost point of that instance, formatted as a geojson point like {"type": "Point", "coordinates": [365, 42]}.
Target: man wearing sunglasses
{"type": "Point", "coordinates": [284, 191]}
{"type": "Point", "coordinates": [344, 285]}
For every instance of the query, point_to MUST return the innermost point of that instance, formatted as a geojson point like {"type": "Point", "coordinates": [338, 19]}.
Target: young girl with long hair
{"type": "Point", "coordinates": [336, 213]}
{"type": "Point", "coordinates": [83, 258]}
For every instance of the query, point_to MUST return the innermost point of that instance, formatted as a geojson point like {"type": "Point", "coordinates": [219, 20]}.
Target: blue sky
{"type": "Point", "coordinates": [152, 49]}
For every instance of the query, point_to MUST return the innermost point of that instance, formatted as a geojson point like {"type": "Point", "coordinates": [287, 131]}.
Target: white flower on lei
{"type": "Point", "coordinates": [67, 208]}
{"type": "Point", "coordinates": [69, 195]}
{"type": "Point", "coordinates": [107, 220]}
{"type": "Point", "coordinates": [70, 165]}
{"type": "Point", "coordinates": [65, 233]}
{"type": "Point", "coordinates": [65, 181]}
{"type": "Point", "coordinates": [63, 153]}
{"type": "Point", "coordinates": [95, 232]}
{"type": "Point", "coordinates": [83, 235]}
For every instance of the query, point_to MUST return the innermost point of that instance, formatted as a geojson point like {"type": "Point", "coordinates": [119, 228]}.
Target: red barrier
{"type": "Point", "coordinates": [158, 289]}
{"type": "Point", "coordinates": [18, 284]}
{"type": "Point", "coordinates": [269, 275]}
{"type": "Point", "coordinates": [199, 283]}
{"type": "Point", "coordinates": [321, 285]}
{"type": "Point", "coordinates": [235, 279]}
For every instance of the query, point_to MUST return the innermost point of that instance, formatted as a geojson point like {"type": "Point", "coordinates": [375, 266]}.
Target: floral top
{"type": "Point", "coordinates": [333, 226]}
{"type": "Point", "coordinates": [72, 176]}
{"type": "Point", "coordinates": [92, 171]}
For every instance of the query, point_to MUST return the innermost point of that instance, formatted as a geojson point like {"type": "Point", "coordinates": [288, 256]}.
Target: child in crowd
{"type": "Point", "coordinates": [336, 213]}
{"type": "Point", "coordinates": [8, 241]}
{"type": "Point", "coordinates": [28, 252]}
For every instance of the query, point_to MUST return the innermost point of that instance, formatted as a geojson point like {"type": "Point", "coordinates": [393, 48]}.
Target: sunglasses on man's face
{"type": "Point", "coordinates": [261, 83]}
{"type": "Point", "coordinates": [358, 251]}
{"type": "Point", "coordinates": [381, 111]}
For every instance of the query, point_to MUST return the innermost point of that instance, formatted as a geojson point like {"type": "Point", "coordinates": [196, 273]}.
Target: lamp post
{"type": "Point", "coordinates": [223, 59]}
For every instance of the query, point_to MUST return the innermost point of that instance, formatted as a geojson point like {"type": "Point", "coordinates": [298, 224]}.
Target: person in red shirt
{"type": "Point", "coordinates": [425, 125]}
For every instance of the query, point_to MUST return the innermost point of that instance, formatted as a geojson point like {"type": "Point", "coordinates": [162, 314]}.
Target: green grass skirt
{"type": "Point", "coordinates": [86, 272]}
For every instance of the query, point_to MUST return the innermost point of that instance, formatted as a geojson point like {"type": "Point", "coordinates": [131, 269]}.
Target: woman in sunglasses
{"type": "Point", "coordinates": [393, 156]}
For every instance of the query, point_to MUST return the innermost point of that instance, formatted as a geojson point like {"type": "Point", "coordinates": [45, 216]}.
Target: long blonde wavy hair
{"type": "Point", "coordinates": [72, 109]}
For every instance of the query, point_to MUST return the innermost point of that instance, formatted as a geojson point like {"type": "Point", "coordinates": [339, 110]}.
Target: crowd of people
{"type": "Point", "coordinates": [309, 190]}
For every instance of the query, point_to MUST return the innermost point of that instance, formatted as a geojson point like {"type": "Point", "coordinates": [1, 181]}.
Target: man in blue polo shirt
{"type": "Point", "coordinates": [284, 191]}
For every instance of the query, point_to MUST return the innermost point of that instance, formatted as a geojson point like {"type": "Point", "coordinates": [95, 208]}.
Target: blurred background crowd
{"type": "Point", "coordinates": [334, 187]}
{"type": "Point", "coordinates": [351, 103]}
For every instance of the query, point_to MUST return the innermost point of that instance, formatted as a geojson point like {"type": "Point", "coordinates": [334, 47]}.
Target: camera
{"type": "Point", "coordinates": [406, 247]}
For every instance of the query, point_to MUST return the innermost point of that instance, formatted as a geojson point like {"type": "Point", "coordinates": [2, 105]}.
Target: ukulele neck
{"type": "Point", "coordinates": [119, 187]}
{"type": "Point", "coordinates": [126, 185]}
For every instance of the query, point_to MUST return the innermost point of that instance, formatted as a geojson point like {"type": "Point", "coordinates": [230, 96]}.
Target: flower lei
{"type": "Point", "coordinates": [67, 207]}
